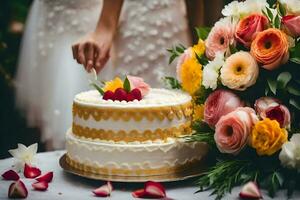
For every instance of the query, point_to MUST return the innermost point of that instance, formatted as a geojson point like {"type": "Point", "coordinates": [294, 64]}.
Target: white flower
{"type": "Point", "coordinates": [211, 72]}
{"type": "Point", "coordinates": [92, 76]}
{"type": "Point", "coordinates": [292, 6]}
{"type": "Point", "coordinates": [24, 154]}
{"type": "Point", "coordinates": [232, 9]}
{"type": "Point", "coordinates": [290, 153]}
{"type": "Point", "coordinates": [240, 9]}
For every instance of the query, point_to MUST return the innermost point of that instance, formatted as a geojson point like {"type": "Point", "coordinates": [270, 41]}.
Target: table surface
{"type": "Point", "coordinates": [67, 186]}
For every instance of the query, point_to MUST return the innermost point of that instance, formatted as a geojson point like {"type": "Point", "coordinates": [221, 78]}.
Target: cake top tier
{"type": "Point", "coordinates": [155, 98]}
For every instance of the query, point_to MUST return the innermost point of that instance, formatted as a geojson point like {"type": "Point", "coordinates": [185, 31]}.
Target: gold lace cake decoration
{"type": "Point", "coordinates": [132, 136]}
{"type": "Point", "coordinates": [137, 114]}
{"type": "Point", "coordinates": [133, 172]}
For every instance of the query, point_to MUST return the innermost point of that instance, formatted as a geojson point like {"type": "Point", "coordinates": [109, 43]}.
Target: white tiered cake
{"type": "Point", "coordinates": [132, 138]}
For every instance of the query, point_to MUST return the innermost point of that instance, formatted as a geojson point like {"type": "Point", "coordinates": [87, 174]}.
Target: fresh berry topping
{"type": "Point", "coordinates": [120, 94]}
{"type": "Point", "coordinates": [109, 95]}
{"type": "Point", "coordinates": [17, 190]}
{"type": "Point", "coordinates": [104, 190]}
{"type": "Point", "coordinates": [31, 172]}
{"type": "Point", "coordinates": [45, 177]}
{"type": "Point", "coordinates": [136, 94]}
{"type": "Point", "coordinates": [41, 186]}
{"type": "Point", "coordinates": [130, 97]}
{"type": "Point", "coordinates": [10, 175]}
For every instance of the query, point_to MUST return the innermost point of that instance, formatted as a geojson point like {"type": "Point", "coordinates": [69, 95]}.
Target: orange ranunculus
{"type": "Point", "coordinates": [270, 48]}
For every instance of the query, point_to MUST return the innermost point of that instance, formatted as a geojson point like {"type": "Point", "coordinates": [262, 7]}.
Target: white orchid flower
{"type": "Point", "coordinates": [23, 155]}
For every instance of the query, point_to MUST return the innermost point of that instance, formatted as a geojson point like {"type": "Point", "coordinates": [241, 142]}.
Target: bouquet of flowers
{"type": "Point", "coordinates": [244, 78]}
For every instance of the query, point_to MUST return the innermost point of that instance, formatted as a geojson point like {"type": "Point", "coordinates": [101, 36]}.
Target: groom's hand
{"type": "Point", "coordinates": [92, 51]}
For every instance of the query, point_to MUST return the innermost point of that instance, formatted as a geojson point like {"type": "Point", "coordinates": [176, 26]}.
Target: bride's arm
{"type": "Point", "coordinates": [93, 49]}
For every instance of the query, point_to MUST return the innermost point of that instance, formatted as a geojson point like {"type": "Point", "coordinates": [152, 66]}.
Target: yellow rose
{"type": "Point", "coordinates": [267, 137]}
{"type": "Point", "coordinates": [198, 112]}
{"type": "Point", "coordinates": [113, 85]}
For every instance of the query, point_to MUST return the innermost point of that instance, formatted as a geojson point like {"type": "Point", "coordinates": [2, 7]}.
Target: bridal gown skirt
{"type": "Point", "coordinates": [48, 77]}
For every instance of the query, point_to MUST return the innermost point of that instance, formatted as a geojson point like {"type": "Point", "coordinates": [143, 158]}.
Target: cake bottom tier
{"type": "Point", "coordinates": [133, 159]}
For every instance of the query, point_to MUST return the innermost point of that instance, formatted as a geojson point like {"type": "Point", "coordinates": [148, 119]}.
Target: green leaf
{"type": "Point", "coordinates": [295, 60]}
{"type": "Point", "coordinates": [294, 90]}
{"type": "Point", "coordinates": [270, 14]}
{"type": "Point", "coordinates": [172, 83]}
{"type": "Point", "coordinates": [202, 32]}
{"type": "Point", "coordinates": [281, 9]}
{"type": "Point", "coordinates": [295, 103]}
{"type": "Point", "coordinates": [283, 79]}
{"type": "Point", "coordinates": [202, 59]}
{"type": "Point", "coordinates": [275, 182]}
{"type": "Point", "coordinates": [172, 58]}
{"type": "Point", "coordinates": [97, 88]}
{"type": "Point", "coordinates": [233, 49]}
{"type": "Point", "coordinates": [277, 21]}
{"type": "Point", "coordinates": [295, 53]}
{"type": "Point", "coordinates": [126, 85]}
{"type": "Point", "coordinates": [272, 85]}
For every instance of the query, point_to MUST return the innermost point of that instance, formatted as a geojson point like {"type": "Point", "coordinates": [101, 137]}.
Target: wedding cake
{"type": "Point", "coordinates": [132, 138]}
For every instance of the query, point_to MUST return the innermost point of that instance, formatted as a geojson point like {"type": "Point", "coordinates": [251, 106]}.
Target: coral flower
{"type": "Point", "coordinates": [270, 48]}
{"type": "Point", "coordinates": [267, 137]}
{"type": "Point", "coordinates": [191, 75]}
{"type": "Point", "coordinates": [240, 71]}
{"type": "Point", "coordinates": [113, 85]}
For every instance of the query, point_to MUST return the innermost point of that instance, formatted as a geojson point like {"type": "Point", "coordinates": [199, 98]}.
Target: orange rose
{"type": "Point", "coordinates": [270, 48]}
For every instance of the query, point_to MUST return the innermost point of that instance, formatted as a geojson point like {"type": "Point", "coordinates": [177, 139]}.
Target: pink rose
{"type": "Point", "coordinates": [291, 24]}
{"type": "Point", "coordinates": [248, 27]}
{"type": "Point", "coordinates": [233, 130]}
{"type": "Point", "coordinates": [220, 38]}
{"type": "Point", "coordinates": [137, 82]}
{"type": "Point", "coordinates": [219, 103]}
{"type": "Point", "coordinates": [268, 107]}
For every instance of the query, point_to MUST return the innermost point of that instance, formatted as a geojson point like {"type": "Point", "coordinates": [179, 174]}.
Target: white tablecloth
{"type": "Point", "coordinates": [67, 186]}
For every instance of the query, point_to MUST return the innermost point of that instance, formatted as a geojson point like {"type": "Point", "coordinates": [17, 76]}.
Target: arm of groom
{"type": "Point", "coordinates": [92, 50]}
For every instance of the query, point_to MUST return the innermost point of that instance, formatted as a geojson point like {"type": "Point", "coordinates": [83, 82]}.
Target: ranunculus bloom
{"type": "Point", "coordinates": [220, 38]}
{"type": "Point", "coordinates": [268, 107]}
{"type": "Point", "coordinates": [291, 24]}
{"type": "Point", "coordinates": [233, 130]}
{"type": "Point", "coordinates": [267, 137]}
{"type": "Point", "coordinates": [240, 71]}
{"type": "Point", "coordinates": [289, 155]}
{"type": "Point", "coordinates": [137, 82]}
{"type": "Point", "coordinates": [249, 26]}
{"type": "Point", "coordinates": [219, 103]}
{"type": "Point", "coordinates": [270, 48]}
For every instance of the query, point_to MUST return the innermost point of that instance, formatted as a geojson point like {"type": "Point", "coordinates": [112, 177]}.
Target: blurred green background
{"type": "Point", "coordinates": [13, 127]}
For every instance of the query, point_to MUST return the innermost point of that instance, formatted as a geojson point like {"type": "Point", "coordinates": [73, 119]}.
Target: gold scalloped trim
{"type": "Point", "coordinates": [132, 136]}
{"type": "Point", "coordinates": [125, 114]}
{"type": "Point", "coordinates": [136, 172]}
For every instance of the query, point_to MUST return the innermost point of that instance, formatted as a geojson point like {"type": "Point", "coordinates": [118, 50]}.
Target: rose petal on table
{"type": "Point", "coordinates": [104, 190]}
{"type": "Point", "coordinates": [40, 186]}
{"type": "Point", "coordinates": [31, 172]}
{"type": "Point", "coordinates": [140, 193]}
{"type": "Point", "coordinates": [250, 191]}
{"type": "Point", "coordinates": [151, 190]}
{"type": "Point", "coordinates": [17, 190]}
{"type": "Point", "coordinates": [10, 175]}
{"type": "Point", "coordinates": [45, 177]}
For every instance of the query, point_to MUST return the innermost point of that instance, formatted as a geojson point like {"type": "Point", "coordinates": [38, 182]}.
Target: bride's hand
{"type": "Point", "coordinates": [93, 50]}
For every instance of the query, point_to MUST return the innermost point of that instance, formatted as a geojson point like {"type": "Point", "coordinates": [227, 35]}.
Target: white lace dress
{"type": "Point", "coordinates": [48, 77]}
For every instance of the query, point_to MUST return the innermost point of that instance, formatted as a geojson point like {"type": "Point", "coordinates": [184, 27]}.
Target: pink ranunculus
{"type": "Point", "coordinates": [137, 82]}
{"type": "Point", "coordinates": [248, 27]}
{"type": "Point", "coordinates": [291, 24]}
{"type": "Point", "coordinates": [187, 54]}
{"type": "Point", "coordinates": [219, 103]}
{"type": "Point", "coordinates": [263, 103]}
{"type": "Point", "coordinates": [233, 130]}
{"type": "Point", "coordinates": [269, 107]}
{"type": "Point", "coordinates": [220, 38]}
